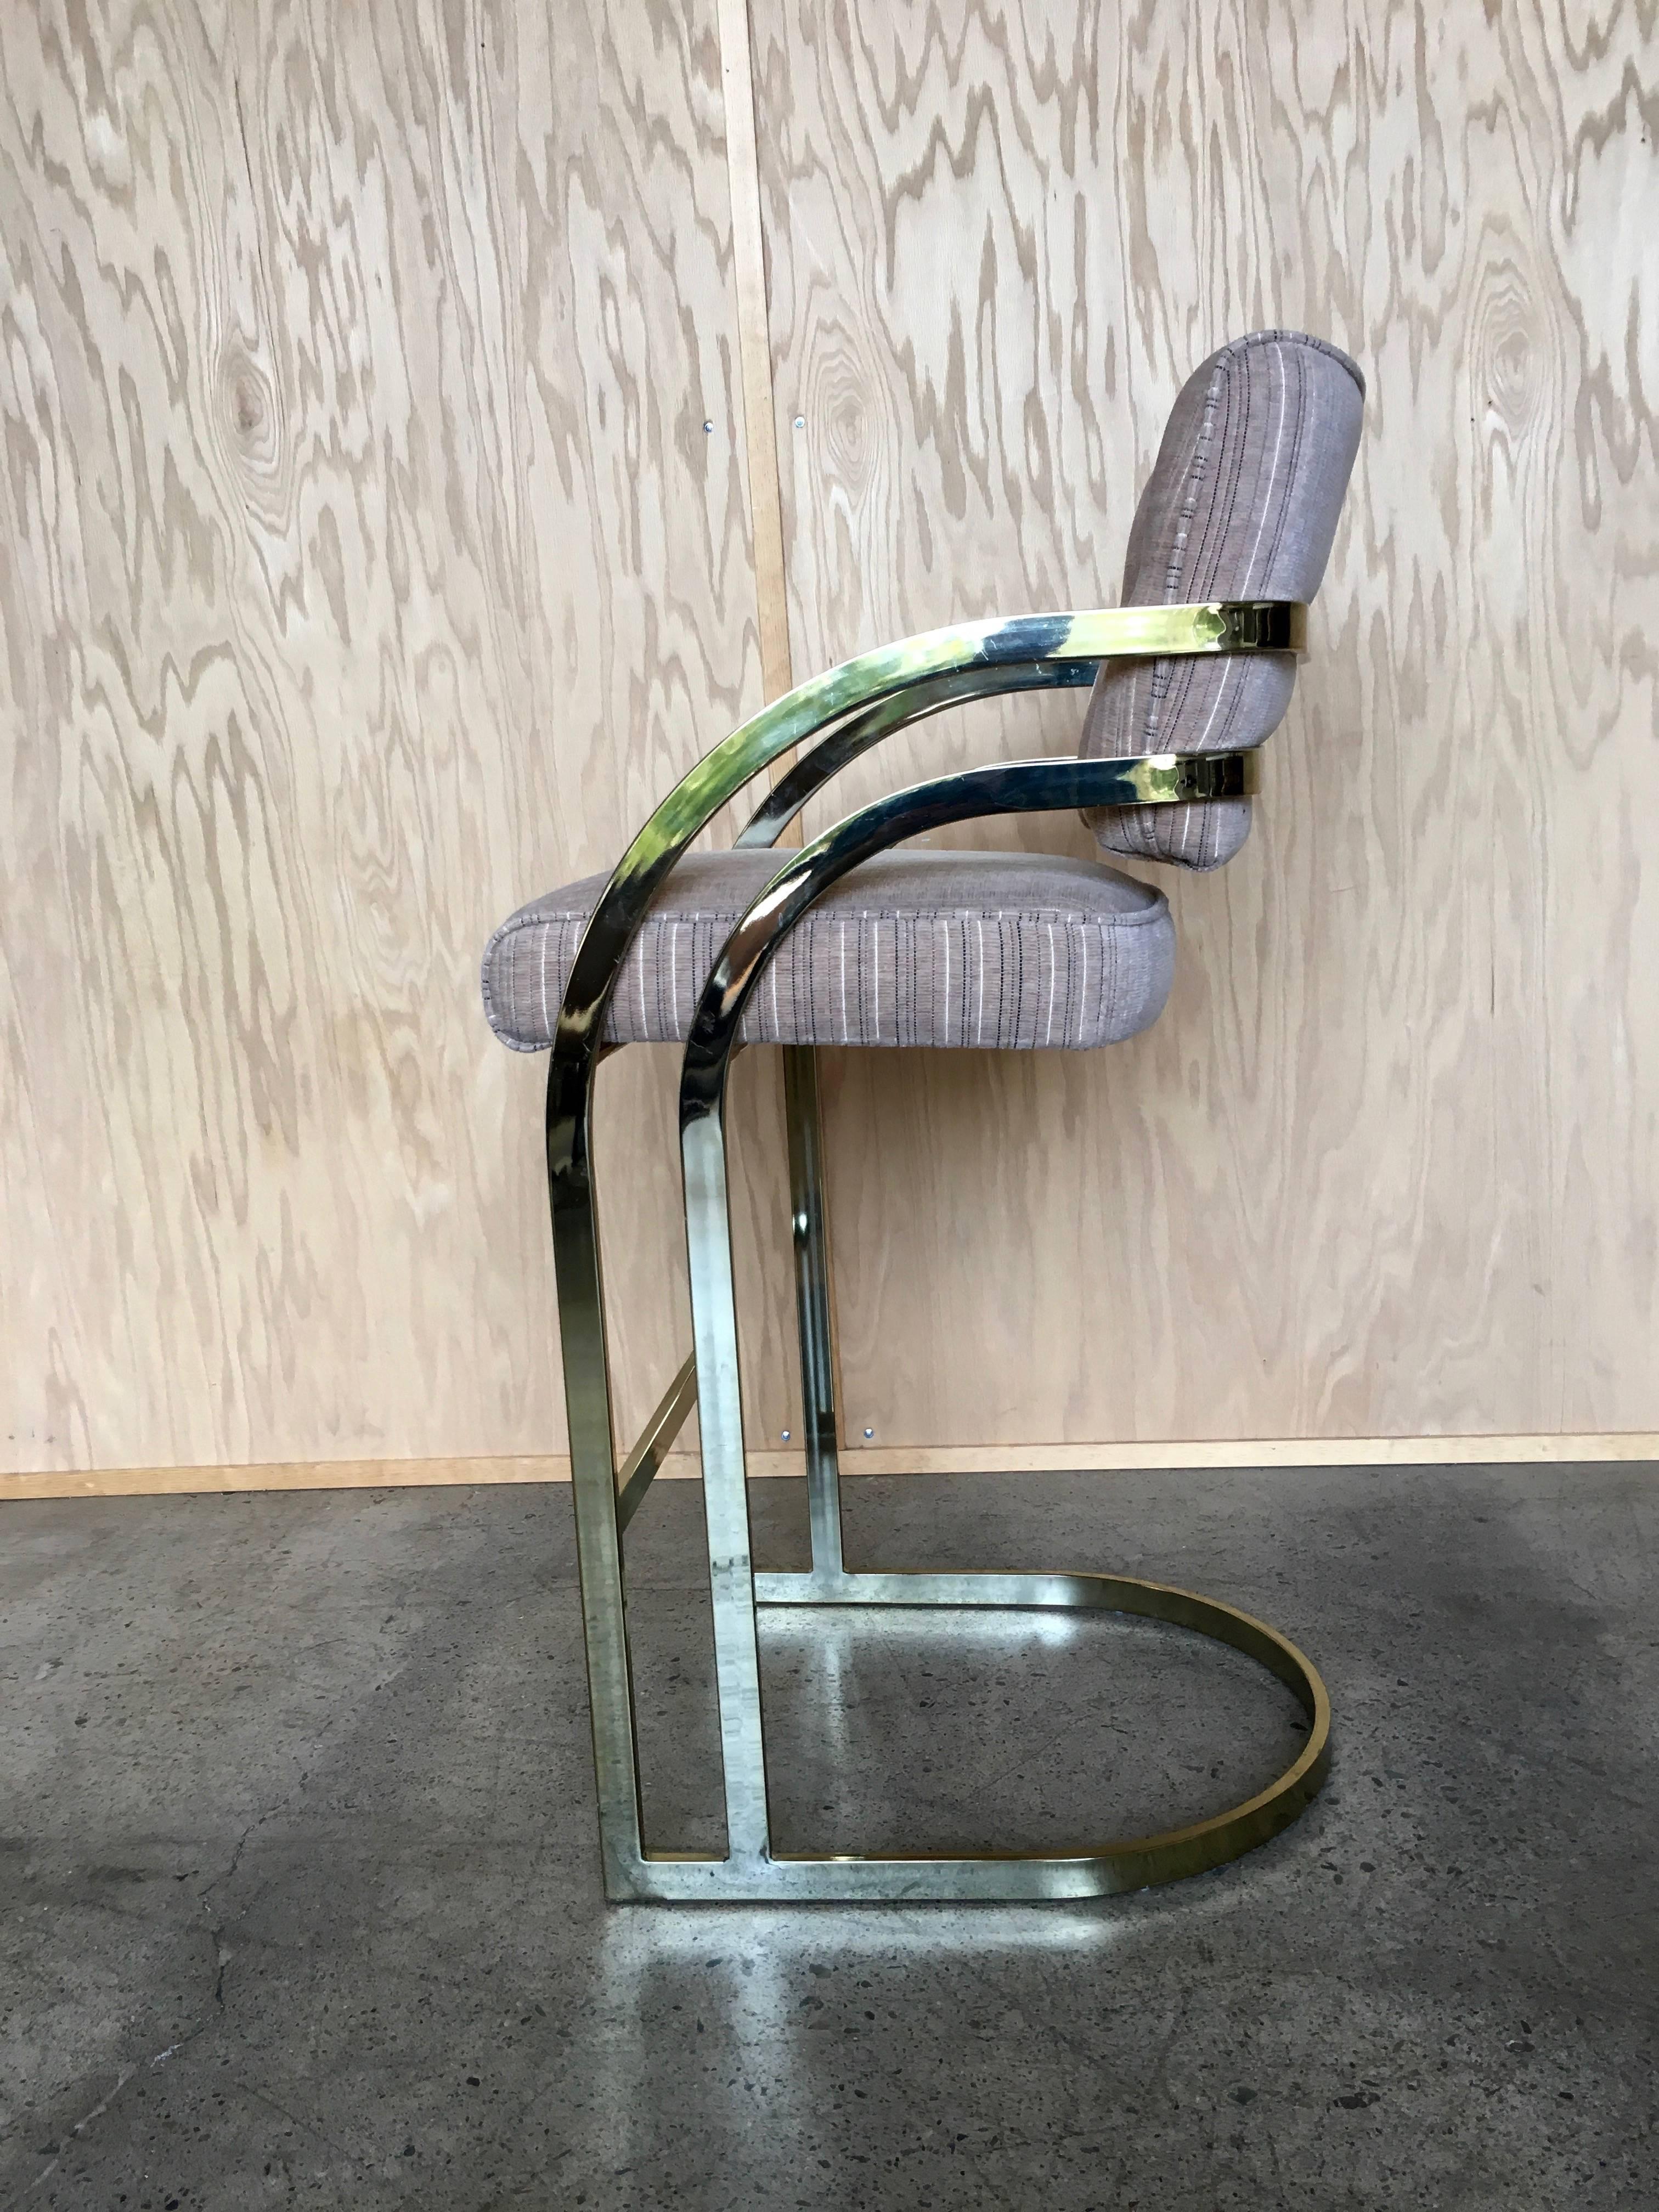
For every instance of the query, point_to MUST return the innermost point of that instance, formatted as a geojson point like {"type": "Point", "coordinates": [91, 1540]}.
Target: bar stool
{"type": "Point", "coordinates": [847, 941]}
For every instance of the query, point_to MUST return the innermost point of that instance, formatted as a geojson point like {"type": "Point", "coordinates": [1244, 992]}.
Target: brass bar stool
{"type": "Point", "coordinates": [1230, 538]}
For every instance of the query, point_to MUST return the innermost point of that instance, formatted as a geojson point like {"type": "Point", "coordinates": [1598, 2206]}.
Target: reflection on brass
{"type": "Point", "coordinates": [638, 1471]}
{"type": "Point", "coordinates": [814, 1305]}
{"type": "Point", "coordinates": [855, 736]}
{"type": "Point", "coordinates": [865, 699]}
{"type": "Point", "coordinates": [1087, 1870]}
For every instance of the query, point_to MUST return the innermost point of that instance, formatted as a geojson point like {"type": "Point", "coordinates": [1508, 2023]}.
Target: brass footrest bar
{"type": "Point", "coordinates": [1092, 1870]}
{"type": "Point", "coordinates": [638, 1470]}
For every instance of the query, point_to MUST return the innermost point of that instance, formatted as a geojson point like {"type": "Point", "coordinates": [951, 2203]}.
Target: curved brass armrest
{"type": "Point", "coordinates": [1002, 787]}
{"type": "Point", "coordinates": [1218, 626]}
{"type": "Point", "coordinates": [844, 745]}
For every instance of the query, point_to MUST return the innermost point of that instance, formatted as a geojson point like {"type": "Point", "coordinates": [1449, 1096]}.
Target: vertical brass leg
{"type": "Point", "coordinates": [813, 1306]}
{"type": "Point", "coordinates": [592, 1471]}
{"type": "Point", "coordinates": [724, 1481]}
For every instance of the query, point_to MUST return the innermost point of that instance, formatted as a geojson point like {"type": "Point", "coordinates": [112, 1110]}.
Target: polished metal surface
{"type": "Point", "coordinates": [899, 683]}
{"type": "Point", "coordinates": [756, 1871]}
{"type": "Point", "coordinates": [725, 1491]}
{"type": "Point", "coordinates": [844, 745]}
{"type": "Point", "coordinates": [638, 1470]}
{"type": "Point", "coordinates": [815, 1307]}
{"type": "Point", "coordinates": [1092, 1868]}
{"type": "Point", "coordinates": [1001, 787]}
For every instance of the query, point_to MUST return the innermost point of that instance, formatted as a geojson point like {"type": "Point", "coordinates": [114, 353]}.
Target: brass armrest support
{"type": "Point", "coordinates": [1248, 628]}
{"type": "Point", "coordinates": [966, 649]}
{"type": "Point", "coordinates": [1001, 787]}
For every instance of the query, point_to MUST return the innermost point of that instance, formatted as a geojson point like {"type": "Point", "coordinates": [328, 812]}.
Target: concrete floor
{"type": "Point", "coordinates": [300, 1902]}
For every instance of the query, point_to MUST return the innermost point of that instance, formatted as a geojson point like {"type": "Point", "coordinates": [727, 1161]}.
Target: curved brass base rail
{"type": "Point", "coordinates": [1011, 1877]}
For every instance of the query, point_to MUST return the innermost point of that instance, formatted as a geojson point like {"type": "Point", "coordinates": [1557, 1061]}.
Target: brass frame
{"type": "Point", "coordinates": [864, 700]}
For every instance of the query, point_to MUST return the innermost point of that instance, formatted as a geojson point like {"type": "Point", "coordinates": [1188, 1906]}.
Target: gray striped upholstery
{"type": "Point", "coordinates": [913, 948]}
{"type": "Point", "coordinates": [1242, 503]}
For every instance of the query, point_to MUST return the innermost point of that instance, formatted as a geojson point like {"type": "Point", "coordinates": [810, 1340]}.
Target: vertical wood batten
{"type": "Point", "coordinates": [754, 351]}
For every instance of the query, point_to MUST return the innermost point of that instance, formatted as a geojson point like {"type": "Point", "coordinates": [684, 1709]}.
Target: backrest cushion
{"type": "Point", "coordinates": [1241, 504]}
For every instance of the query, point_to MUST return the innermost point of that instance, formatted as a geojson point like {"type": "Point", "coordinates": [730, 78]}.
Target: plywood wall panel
{"type": "Point", "coordinates": [366, 568]}
{"type": "Point", "coordinates": [1387, 1165]}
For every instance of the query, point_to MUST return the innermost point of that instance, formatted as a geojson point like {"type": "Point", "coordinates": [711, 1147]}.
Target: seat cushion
{"type": "Point", "coordinates": [1241, 504]}
{"type": "Point", "coordinates": [995, 949]}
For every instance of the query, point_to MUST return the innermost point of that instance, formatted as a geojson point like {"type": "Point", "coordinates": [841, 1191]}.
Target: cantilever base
{"type": "Point", "coordinates": [1099, 1870]}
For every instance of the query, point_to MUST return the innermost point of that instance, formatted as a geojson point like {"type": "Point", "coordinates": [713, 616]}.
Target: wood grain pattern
{"type": "Point", "coordinates": [1387, 1166]}
{"type": "Point", "coordinates": [367, 567]}
{"type": "Point", "coordinates": [755, 354]}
